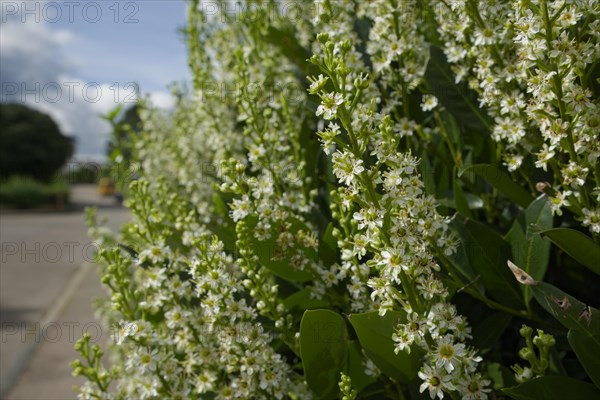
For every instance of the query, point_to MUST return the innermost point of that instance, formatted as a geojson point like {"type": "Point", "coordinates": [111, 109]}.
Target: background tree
{"type": "Point", "coordinates": [32, 143]}
{"type": "Point", "coordinates": [124, 125]}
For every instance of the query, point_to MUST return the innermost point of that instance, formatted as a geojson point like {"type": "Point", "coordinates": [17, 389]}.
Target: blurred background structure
{"type": "Point", "coordinates": [71, 75]}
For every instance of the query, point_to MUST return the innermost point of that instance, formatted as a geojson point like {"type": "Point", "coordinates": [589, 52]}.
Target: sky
{"type": "Point", "coordinates": [77, 60]}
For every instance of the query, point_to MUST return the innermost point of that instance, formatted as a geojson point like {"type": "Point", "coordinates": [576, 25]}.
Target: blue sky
{"type": "Point", "coordinates": [82, 57]}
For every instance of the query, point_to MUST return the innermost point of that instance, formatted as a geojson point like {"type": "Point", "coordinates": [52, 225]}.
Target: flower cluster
{"type": "Point", "coordinates": [533, 64]}
{"type": "Point", "coordinates": [264, 216]}
{"type": "Point", "coordinates": [390, 224]}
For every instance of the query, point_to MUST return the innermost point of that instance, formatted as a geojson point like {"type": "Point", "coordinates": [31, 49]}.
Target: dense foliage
{"type": "Point", "coordinates": [26, 192]}
{"type": "Point", "coordinates": [367, 199]}
{"type": "Point", "coordinates": [32, 144]}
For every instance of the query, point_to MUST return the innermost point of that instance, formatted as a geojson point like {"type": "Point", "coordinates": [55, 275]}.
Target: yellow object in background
{"type": "Point", "coordinates": [106, 187]}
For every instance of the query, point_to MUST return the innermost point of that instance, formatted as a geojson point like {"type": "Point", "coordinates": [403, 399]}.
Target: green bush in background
{"type": "Point", "coordinates": [25, 192]}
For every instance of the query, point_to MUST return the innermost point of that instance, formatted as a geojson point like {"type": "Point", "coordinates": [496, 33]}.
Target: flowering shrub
{"type": "Point", "coordinates": [374, 199]}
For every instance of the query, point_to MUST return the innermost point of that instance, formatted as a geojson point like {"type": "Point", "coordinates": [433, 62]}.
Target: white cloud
{"type": "Point", "coordinates": [35, 72]}
{"type": "Point", "coordinates": [162, 100]}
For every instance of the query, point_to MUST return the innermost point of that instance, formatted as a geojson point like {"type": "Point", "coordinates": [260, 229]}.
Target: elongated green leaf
{"type": "Point", "coordinates": [474, 202]}
{"type": "Point", "coordinates": [531, 252]}
{"type": "Point", "coordinates": [458, 99]}
{"type": "Point", "coordinates": [328, 249]}
{"type": "Point", "coordinates": [553, 388]}
{"type": "Point", "coordinates": [226, 229]}
{"type": "Point", "coordinates": [569, 311]}
{"type": "Point", "coordinates": [579, 246]}
{"type": "Point", "coordinates": [460, 201]}
{"type": "Point", "coordinates": [501, 181]}
{"type": "Point", "coordinates": [488, 252]}
{"type": "Point", "coordinates": [459, 265]}
{"type": "Point", "coordinates": [375, 335]}
{"type": "Point", "coordinates": [324, 348]}
{"type": "Point", "coordinates": [588, 352]}
{"type": "Point", "coordinates": [134, 254]}
{"type": "Point", "coordinates": [113, 114]}
{"type": "Point", "coordinates": [427, 173]}
{"type": "Point", "coordinates": [582, 320]}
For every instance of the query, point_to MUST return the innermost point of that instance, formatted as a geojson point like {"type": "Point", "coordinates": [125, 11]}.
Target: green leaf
{"type": "Point", "coordinates": [301, 300]}
{"type": "Point", "coordinates": [133, 254]}
{"type": "Point", "coordinates": [427, 173]}
{"type": "Point", "coordinates": [324, 348]}
{"type": "Point", "coordinates": [487, 333]}
{"type": "Point", "coordinates": [129, 250]}
{"type": "Point", "coordinates": [267, 251]}
{"type": "Point", "coordinates": [355, 367]}
{"type": "Point", "coordinates": [531, 252]}
{"type": "Point", "coordinates": [113, 114]}
{"type": "Point", "coordinates": [501, 181]}
{"type": "Point", "coordinates": [225, 230]}
{"type": "Point", "coordinates": [588, 352]}
{"type": "Point", "coordinates": [487, 253]}
{"type": "Point", "coordinates": [460, 201]}
{"type": "Point", "coordinates": [328, 249]}
{"type": "Point", "coordinates": [553, 387]}
{"type": "Point", "coordinates": [500, 375]}
{"type": "Point", "coordinates": [458, 99]}
{"type": "Point", "coordinates": [458, 264]}
{"type": "Point", "coordinates": [474, 202]}
{"type": "Point", "coordinates": [285, 39]}
{"type": "Point", "coordinates": [569, 311]}
{"type": "Point", "coordinates": [576, 244]}
{"type": "Point", "coordinates": [375, 336]}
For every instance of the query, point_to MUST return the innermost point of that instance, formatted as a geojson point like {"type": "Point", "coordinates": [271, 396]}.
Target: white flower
{"type": "Point", "coordinates": [128, 329]}
{"type": "Point", "coordinates": [448, 354]}
{"type": "Point", "coordinates": [204, 381]}
{"type": "Point", "coordinates": [473, 387]}
{"type": "Point", "coordinates": [545, 155]}
{"type": "Point", "coordinates": [429, 102]}
{"type": "Point", "coordinates": [240, 208]}
{"type": "Point", "coordinates": [402, 340]}
{"type": "Point", "coordinates": [155, 277]}
{"type": "Point", "coordinates": [317, 84]}
{"type": "Point", "coordinates": [592, 219]}
{"type": "Point", "coordinates": [513, 162]}
{"type": "Point", "coordinates": [574, 174]}
{"type": "Point", "coordinates": [435, 381]}
{"type": "Point", "coordinates": [394, 259]}
{"type": "Point", "coordinates": [560, 200]}
{"type": "Point", "coordinates": [329, 105]}
{"type": "Point", "coordinates": [346, 166]}
{"type": "Point", "coordinates": [155, 254]}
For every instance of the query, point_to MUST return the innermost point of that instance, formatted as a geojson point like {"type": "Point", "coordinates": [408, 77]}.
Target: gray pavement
{"type": "Point", "coordinates": [47, 285]}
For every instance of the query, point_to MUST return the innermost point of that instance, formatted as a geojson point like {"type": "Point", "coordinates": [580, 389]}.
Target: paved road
{"type": "Point", "coordinates": [47, 285]}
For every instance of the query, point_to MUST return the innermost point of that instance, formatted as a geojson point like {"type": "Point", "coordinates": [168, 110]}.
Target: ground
{"type": "Point", "coordinates": [47, 285]}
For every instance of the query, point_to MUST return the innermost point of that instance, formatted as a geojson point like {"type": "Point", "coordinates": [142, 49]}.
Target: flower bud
{"type": "Point", "coordinates": [544, 340]}
{"type": "Point", "coordinates": [330, 46]}
{"type": "Point", "coordinates": [526, 331]}
{"type": "Point", "coordinates": [315, 59]}
{"type": "Point", "coordinates": [345, 46]}
{"type": "Point", "coordinates": [323, 37]}
{"type": "Point", "coordinates": [528, 355]}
